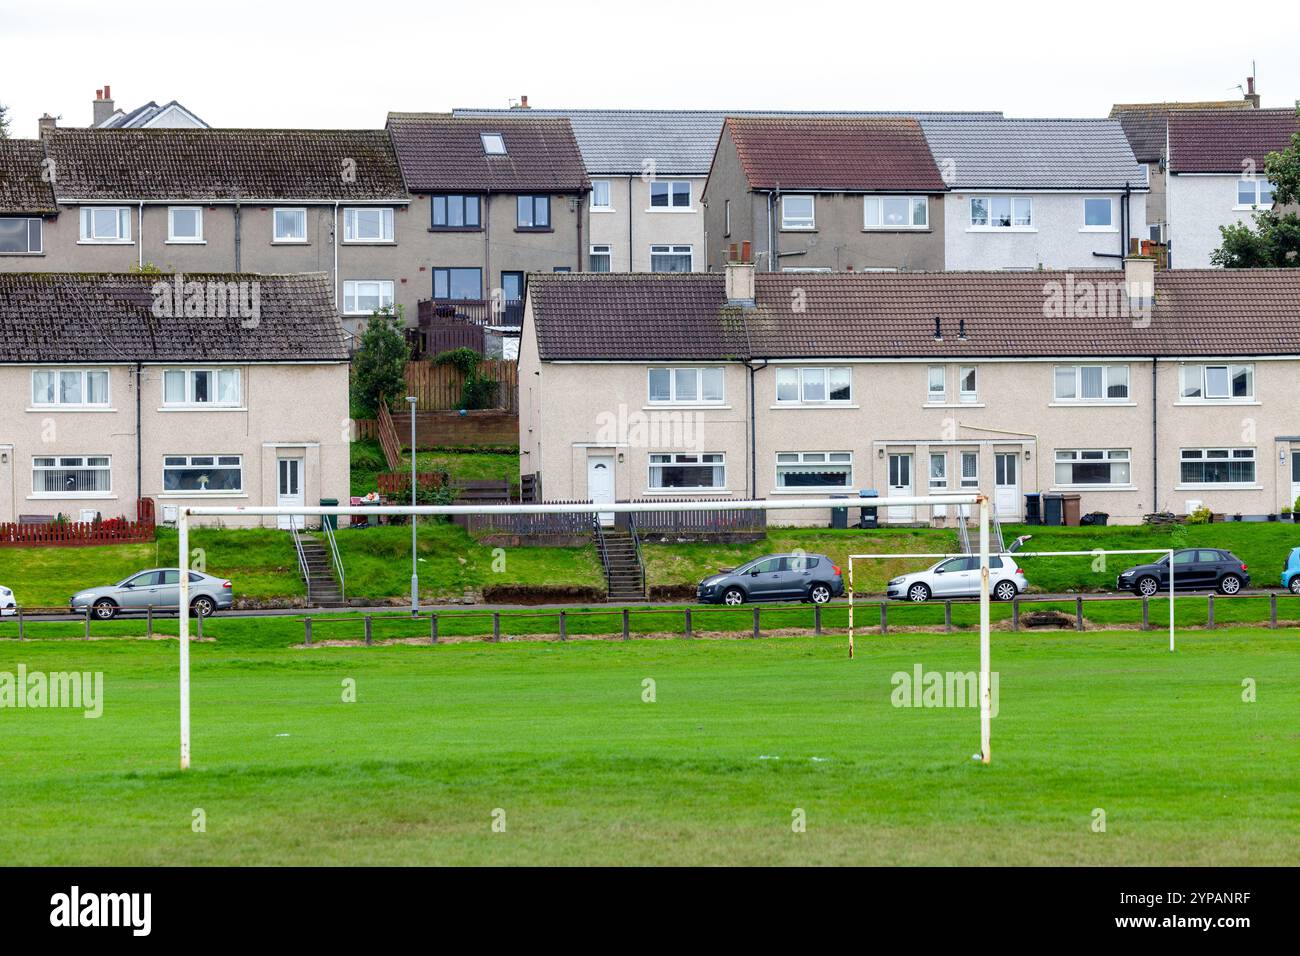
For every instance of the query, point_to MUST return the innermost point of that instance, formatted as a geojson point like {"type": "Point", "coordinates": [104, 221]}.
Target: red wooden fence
{"type": "Point", "coordinates": [74, 533]}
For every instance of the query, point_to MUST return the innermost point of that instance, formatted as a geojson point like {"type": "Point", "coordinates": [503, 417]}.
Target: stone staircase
{"type": "Point", "coordinates": [624, 574]}
{"type": "Point", "coordinates": [323, 587]}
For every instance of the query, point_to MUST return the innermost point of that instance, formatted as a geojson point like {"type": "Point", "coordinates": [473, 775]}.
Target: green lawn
{"type": "Point", "coordinates": [368, 460]}
{"type": "Point", "coordinates": [556, 740]}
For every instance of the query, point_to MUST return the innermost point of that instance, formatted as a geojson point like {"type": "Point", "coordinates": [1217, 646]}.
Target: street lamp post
{"type": "Point", "coordinates": [415, 575]}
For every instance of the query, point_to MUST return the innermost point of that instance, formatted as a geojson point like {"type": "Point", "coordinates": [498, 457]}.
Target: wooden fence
{"type": "Point", "coordinates": [76, 533]}
{"type": "Point", "coordinates": [387, 434]}
{"type": "Point", "coordinates": [392, 483]}
{"type": "Point", "coordinates": [534, 524]}
{"type": "Point", "coordinates": [730, 521]}
{"type": "Point", "coordinates": [438, 387]}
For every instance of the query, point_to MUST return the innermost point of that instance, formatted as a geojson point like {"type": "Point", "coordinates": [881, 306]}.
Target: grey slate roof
{"type": "Point", "coordinates": [644, 317]}
{"type": "Point", "coordinates": [23, 190]}
{"type": "Point", "coordinates": [110, 317]}
{"type": "Point", "coordinates": [680, 142]}
{"type": "Point", "coordinates": [1034, 154]}
{"type": "Point", "coordinates": [143, 116]}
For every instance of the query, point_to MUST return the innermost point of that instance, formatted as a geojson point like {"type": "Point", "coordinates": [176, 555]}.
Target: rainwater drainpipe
{"type": "Point", "coordinates": [753, 429]}
{"type": "Point", "coordinates": [1155, 445]}
{"type": "Point", "coordinates": [335, 243]}
{"type": "Point", "coordinates": [238, 228]}
{"type": "Point", "coordinates": [139, 487]}
{"type": "Point", "coordinates": [139, 240]}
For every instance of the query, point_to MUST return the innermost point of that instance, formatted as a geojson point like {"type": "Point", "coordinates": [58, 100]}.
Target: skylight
{"type": "Point", "coordinates": [494, 144]}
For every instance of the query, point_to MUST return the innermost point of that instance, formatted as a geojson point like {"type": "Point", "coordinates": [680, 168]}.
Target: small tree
{"type": "Point", "coordinates": [379, 363]}
{"type": "Point", "coordinates": [4, 121]}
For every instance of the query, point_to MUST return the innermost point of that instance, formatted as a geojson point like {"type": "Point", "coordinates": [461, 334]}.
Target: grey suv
{"type": "Point", "coordinates": [776, 577]}
{"type": "Point", "coordinates": [159, 588]}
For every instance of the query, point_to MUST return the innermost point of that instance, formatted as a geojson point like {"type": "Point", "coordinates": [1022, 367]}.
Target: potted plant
{"type": "Point", "coordinates": [1295, 510]}
{"type": "Point", "coordinates": [1286, 512]}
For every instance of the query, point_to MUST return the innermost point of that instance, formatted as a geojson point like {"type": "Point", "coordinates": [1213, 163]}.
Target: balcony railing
{"type": "Point", "coordinates": [509, 313]}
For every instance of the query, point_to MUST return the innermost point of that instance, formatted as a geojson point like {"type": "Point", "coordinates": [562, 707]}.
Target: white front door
{"type": "Point", "coordinates": [1006, 485]}
{"type": "Point", "coordinates": [600, 483]}
{"type": "Point", "coordinates": [900, 485]}
{"type": "Point", "coordinates": [1295, 478]}
{"type": "Point", "coordinates": [289, 490]}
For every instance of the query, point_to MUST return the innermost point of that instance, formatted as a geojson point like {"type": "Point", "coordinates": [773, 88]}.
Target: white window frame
{"type": "Point", "coordinates": [1107, 372]}
{"type": "Point", "coordinates": [692, 459]}
{"type": "Point", "coordinates": [191, 373]}
{"type": "Point", "coordinates": [803, 460]}
{"type": "Point", "coordinates": [671, 185]}
{"type": "Point", "coordinates": [189, 465]}
{"type": "Point", "coordinates": [275, 225]}
{"type": "Point", "coordinates": [1108, 456]}
{"type": "Point", "coordinates": [806, 223]}
{"type": "Point", "coordinates": [726, 217]}
{"type": "Point", "coordinates": [673, 249]}
{"type": "Point", "coordinates": [172, 238]}
{"type": "Point", "coordinates": [1202, 456]}
{"type": "Point", "coordinates": [494, 144]}
{"type": "Point", "coordinates": [123, 235]}
{"type": "Point", "coordinates": [1257, 183]}
{"type": "Point", "coordinates": [608, 204]}
{"type": "Point", "coordinates": [940, 483]}
{"type": "Point", "coordinates": [385, 225]}
{"type": "Point", "coordinates": [939, 397]}
{"type": "Point", "coordinates": [963, 393]}
{"type": "Point", "coordinates": [988, 224]}
{"type": "Point", "coordinates": [351, 294]}
{"type": "Point", "coordinates": [600, 249]}
{"type": "Point", "coordinates": [699, 399]}
{"type": "Point", "coordinates": [914, 202]}
{"type": "Point", "coordinates": [1200, 371]}
{"type": "Point", "coordinates": [803, 373]}
{"type": "Point", "coordinates": [30, 224]}
{"type": "Point", "coordinates": [105, 469]}
{"type": "Point", "coordinates": [972, 480]}
{"type": "Point", "coordinates": [1108, 227]}
{"type": "Point", "coordinates": [83, 375]}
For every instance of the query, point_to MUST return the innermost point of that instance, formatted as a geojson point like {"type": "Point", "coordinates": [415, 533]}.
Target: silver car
{"type": "Point", "coordinates": [159, 588]}
{"type": "Point", "coordinates": [960, 578]}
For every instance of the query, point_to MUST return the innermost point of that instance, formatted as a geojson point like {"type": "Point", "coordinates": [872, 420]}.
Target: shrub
{"type": "Point", "coordinates": [1201, 515]}
{"type": "Point", "coordinates": [379, 364]}
{"type": "Point", "coordinates": [477, 391]}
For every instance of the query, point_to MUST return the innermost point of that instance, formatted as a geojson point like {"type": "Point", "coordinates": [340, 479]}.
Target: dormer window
{"type": "Point", "coordinates": [494, 144]}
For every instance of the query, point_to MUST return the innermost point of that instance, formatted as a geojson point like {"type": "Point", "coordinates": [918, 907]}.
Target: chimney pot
{"type": "Point", "coordinates": [103, 106]}
{"type": "Point", "coordinates": [745, 252]}
{"type": "Point", "coordinates": [108, 94]}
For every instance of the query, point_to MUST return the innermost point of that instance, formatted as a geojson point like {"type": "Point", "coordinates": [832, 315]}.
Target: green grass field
{"type": "Point", "coordinates": [741, 734]}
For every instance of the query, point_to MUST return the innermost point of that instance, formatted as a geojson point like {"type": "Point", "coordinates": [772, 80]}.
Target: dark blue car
{"type": "Point", "coordinates": [776, 577]}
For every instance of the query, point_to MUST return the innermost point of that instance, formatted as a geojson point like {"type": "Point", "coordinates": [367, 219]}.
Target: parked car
{"type": "Point", "coordinates": [1194, 569]}
{"type": "Point", "coordinates": [1291, 571]}
{"type": "Point", "coordinates": [157, 587]}
{"type": "Point", "coordinates": [960, 578]}
{"type": "Point", "coordinates": [8, 603]}
{"type": "Point", "coordinates": [775, 577]}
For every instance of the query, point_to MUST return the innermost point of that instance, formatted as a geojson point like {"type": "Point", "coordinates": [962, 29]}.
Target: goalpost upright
{"type": "Point", "coordinates": [592, 508]}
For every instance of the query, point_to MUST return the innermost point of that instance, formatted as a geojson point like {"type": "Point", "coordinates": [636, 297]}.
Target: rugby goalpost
{"type": "Point", "coordinates": [591, 508]}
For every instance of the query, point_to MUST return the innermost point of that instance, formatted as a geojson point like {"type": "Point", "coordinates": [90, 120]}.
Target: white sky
{"type": "Point", "coordinates": [345, 64]}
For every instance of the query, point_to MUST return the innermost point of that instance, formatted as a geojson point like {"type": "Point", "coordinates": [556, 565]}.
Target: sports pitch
{"type": "Point", "coordinates": [549, 753]}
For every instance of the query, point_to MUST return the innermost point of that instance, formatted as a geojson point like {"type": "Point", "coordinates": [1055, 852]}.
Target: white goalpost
{"type": "Point", "coordinates": [592, 508]}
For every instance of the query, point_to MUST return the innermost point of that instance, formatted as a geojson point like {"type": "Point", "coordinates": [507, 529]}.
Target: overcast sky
{"type": "Point", "coordinates": [345, 64]}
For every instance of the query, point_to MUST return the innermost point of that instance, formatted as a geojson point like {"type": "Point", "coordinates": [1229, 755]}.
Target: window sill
{"type": "Point", "coordinates": [203, 408]}
{"type": "Point", "coordinates": [814, 492]}
{"type": "Point", "coordinates": [917, 229]}
{"type": "Point", "coordinates": [1211, 402]}
{"type": "Point", "coordinates": [46, 409]}
{"type": "Point", "coordinates": [810, 229]}
{"type": "Point", "coordinates": [186, 242]}
{"type": "Point", "coordinates": [74, 496]}
{"type": "Point", "coordinates": [1256, 208]}
{"type": "Point", "coordinates": [1100, 229]}
{"type": "Point", "coordinates": [534, 229]}
{"type": "Point", "coordinates": [1000, 229]}
{"type": "Point", "coordinates": [671, 209]}
{"type": "Point", "coordinates": [290, 242]}
{"type": "Point", "coordinates": [686, 491]}
{"type": "Point", "coordinates": [1089, 403]}
{"type": "Point", "coordinates": [29, 255]}
{"type": "Point", "coordinates": [687, 406]}
{"type": "Point", "coordinates": [201, 494]}
{"type": "Point", "coordinates": [105, 242]}
{"type": "Point", "coordinates": [1226, 486]}
{"type": "Point", "coordinates": [603, 209]}
{"type": "Point", "coordinates": [953, 405]}
{"type": "Point", "coordinates": [369, 242]}
{"type": "Point", "coordinates": [1073, 488]}
{"type": "Point", "coordinates": [814, 405]}
{"type": "Point", "coordinates": [453, 229]}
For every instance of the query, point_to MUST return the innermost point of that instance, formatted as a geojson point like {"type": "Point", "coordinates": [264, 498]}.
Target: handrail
{"type": "Point", "coordinates": [302, 555]}
{"type": "Point", "coordinates": [636, 546]}
{"type": "Point", "coordinates": [602, 550]}
{"type": "Point", "coordinates": [334, 557]}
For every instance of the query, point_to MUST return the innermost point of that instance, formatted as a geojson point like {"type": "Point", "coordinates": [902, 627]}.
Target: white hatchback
{"type": "Point", "coordinates": [960, 578]}
{"type": "Point", "coordinates": [8, 603]}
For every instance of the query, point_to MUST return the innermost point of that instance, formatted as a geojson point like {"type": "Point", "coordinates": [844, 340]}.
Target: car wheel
{"type": "Point", "coordinates": [1005, 591]}
{"type": "Point", "coordinates": [1295, 584]}
{"type": "Point", "coordinates": [1230, 584]}
{"type": "Point", "coordinates": [105, 609]}
{"type": "Point", "coordinates": [1147, 587]}
{"type": "Point", "coordinates": [203, 606]}
{"type": "Point", "coordinates": [819, 594]}
{"type": "Point", "coordinates": [918, 593]}
{"type": "Point", "coordinates": [733, 596]}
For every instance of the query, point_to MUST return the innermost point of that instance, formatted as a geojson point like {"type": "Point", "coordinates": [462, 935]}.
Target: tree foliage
{"type": "Point", "coordinates": [1272, 240]}
{"type": "Point", "coordinates": [379, 363]}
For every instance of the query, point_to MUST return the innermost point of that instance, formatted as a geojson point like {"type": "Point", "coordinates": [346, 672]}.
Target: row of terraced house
{"type": "Point", "coordinates": [472, 219]}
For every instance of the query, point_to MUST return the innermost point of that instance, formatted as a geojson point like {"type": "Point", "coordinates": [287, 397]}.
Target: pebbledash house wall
{"type": "Point", "coordinates": [630, 226]}
{"type": "Point", "coordinates": [568, 409]}
{"type": "Point", "coordinates": [1198, 204]}
{"type": "Point", "coordinates": [288, 410]}
{"type": "Point", "coordinates": [1057, 239]}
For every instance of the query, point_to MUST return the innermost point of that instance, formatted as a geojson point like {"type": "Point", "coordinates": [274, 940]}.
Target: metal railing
{"type": "Point", "coordinates": [636, 548]}
{"type": "Point", "coordinates": [334, 557]}
{"type": "Point", "coordinates": [602, 550]}
{"type": "Point", "coordinates": [302, 555]}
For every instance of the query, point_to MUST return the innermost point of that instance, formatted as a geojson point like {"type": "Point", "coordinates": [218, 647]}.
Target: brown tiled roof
{"type": "Point", "coordinates": [22, 188]}
{"type": "Point", "coordinates": [865, 155]}
{"type": "Point", "coordinates": [1223, 141]}
{"type": "Point", "coordinates": [220, 164]}
{"type": "Point", "coordinates": [1145, 124]}
{"type": "Point", "coordinates": [441, 153]}
{"type": "Point", "coordinates": [891, 315]}
{"type": "Point", "coordinates": [111, 317]}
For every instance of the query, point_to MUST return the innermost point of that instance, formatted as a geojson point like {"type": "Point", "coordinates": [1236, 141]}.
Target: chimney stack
{"type": "Point", "coordinates": [740, 277]}
{"type": "Point", "coordinates": [45, 124]}
{"type": "Point", "coordinates": [102, 107]}
{"type": "Point", "coordinates": [1140, 281]}
{"type": "Point", "coordinates": [522, 104]}
{"type": "Point", "coordinates": [1251, 96]}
